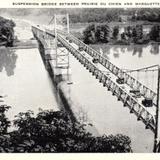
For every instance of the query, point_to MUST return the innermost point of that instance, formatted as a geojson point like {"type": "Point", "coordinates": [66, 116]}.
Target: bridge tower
{"type": "Point", "coordinates": [61, 54]}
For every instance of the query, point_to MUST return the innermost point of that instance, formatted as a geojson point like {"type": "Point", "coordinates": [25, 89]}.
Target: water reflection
{"type": "Point", "coordinates": [154, 49]}
{"type": "Point", "coordinates": [129, 48]}
{"type": "Point", "coordinates": [137, 49]}
{"type": "Point", "coordinates": [123, 49]}
{"type": "Point", "coordinates": [7, 60]}
{"type": "Point", "coordinates": [116, 52]}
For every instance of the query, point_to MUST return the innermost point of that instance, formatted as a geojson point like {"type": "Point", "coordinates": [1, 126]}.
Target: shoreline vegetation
{"type": "Point", "coordinates": [132, 20]}
{"type": "Point", "coordinates": [6, 32]}
{"type": "Point", "coordinates": [8, 38]}
{"type": "Point", "coordinates": [115, 35]}
{"type": "Point", "coordinates": [50, 131]}
{"type": "Point", "coordinates": [54, 132]}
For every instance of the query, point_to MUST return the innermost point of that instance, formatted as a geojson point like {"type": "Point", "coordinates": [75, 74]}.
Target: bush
{"type": "Point", "coordinates": [89, 34]}
{"type": "Point", "coordinates": [102, 33]}
{"type": "Point", "coordinates": [115, 32]}
{"type": "Point", "coordinates": [155, 33]}
{"type": "Point", "coordinates": [6, 31]}
{"type": "Point", "coordinates": [51, 131]}
{"type": "Point", "coordinates": [4, 122]}
{"type": "Point", "coordinates": [93, 34]}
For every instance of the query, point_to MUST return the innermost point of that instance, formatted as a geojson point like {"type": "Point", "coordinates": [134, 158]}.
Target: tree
{"type": "Point", "coordinates": [93, 34]}
{"type": "Point", "coordinates": [155, 33]}
{"type": "Point", "coordinates": [128, 31]}
{"type": "Point", "coordinates": [7, 31]}
{"type": "Point", "coordinates": [4, 125]}
{"type": "Point", "coordinates": [102, 33]}
{"type": "Point", "coordinates": [4, 121]}
{"type": "Point", "coordinates": [147, 14]}
{"type": "Point", "coordinates": [115, 32]}
{"type": "Point", "coordinates": [123, 36]}
{"type": "Point", "coordinates": [137, 33]}
{"type": "Point", "coordinates": [89, 34]}
{"type": "Point", "coordinates": [51, 131]}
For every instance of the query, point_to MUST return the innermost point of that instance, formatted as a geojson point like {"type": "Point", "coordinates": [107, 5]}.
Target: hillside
{"type": "Point", "coordinates": [83, 15]}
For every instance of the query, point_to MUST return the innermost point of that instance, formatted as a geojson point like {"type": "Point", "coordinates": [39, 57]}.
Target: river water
{"type": "Point", "coordinates": [27, 86]}
{"type": "Point", "coordinates": [135, 57]}
{"type": "Point", "coordinates": [24, 79]}
{"type": "Point", "coordinates": [104, 111]}
{"type": "Point", "coordinates": [107, 114]}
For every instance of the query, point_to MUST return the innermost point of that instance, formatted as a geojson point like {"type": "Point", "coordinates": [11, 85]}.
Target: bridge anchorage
{"type": "Point", "coordinates": [140, 99]}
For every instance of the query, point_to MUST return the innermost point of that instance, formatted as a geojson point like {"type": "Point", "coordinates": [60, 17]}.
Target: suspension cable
{"type": "Point", "coordinates": [142, 69]}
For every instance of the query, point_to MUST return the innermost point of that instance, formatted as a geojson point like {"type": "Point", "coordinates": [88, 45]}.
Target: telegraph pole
{"type": "Point", "coordinates": [157, 129]}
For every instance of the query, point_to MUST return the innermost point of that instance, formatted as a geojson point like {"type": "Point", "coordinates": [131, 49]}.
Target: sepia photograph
{"type": "Point", "coordinates": [79, 80]}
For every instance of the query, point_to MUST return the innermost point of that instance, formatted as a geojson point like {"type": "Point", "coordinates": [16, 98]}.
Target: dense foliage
{"type": "Point", "coordinates": [155, 33]}
{"type": "Point", "coordinates": [115, 32]}
{"type": "Point", "coordinates": [6, 31]}
{"type": "Point", "coordinates": [77, 15]}
{"type": "Point", "coordinates": [132, 34]}
{"type": "Point", "coordinates": [96, 15]}
{"type": "Point", "coordinates": [93, 34]}
{"type": "Point", "coordinates": [4, 122]}
{"type": "Point", "coordinates": [85, 15]}
{"type": "Point", "coordinates": [147, 14]}
{"type": "Point", "coordinates": [89, 34]}
{"type": "Point", "coordinates": [51, 131]}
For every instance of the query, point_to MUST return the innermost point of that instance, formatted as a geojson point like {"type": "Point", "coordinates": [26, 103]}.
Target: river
{"type": "Point", "coordinates": [106, 113]}
{"type": "Point", "coordinates": [27, 86]}
{"type": "Point", "coordinates": [135, 57]}
{"type": "Point", "coordinates": [24, 80]}
{"type": "Point", "coordinates": [102, 108]}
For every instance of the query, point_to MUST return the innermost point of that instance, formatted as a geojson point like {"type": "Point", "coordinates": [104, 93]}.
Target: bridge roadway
{"type": "Point", "coordinates": [100, 67]}
{"type": "Point", "coordinates": [129, 80]}
{"type": "Point", "coordinates": [146, 114]}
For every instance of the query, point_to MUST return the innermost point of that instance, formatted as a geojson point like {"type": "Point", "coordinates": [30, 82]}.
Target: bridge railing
{"type": "Point", "coordinates": [134, 106]}
{"type": "Point", "coordinates": [129, 80]}
{"type": "Point", "coordinates": [42, 33]}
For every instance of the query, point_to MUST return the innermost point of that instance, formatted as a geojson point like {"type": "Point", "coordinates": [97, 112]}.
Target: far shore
{"type": "Point", "coordinates": [79, 36]}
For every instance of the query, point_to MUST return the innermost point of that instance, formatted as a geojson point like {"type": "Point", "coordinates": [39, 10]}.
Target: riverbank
{"type": "Point", "coordinates": [79, 35]}
{"type": "Point", "coordinates": [117, 33]}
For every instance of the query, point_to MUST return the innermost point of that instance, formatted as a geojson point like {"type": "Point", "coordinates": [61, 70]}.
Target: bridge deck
{"type": "Point", "coordinates": [146, 114]}
{"type": "Point", "coordinates": [129, 80]}
{"type": "Point", "coordinates": [151, 110]}
{"type": "Point", "coordinates": [100, 71]}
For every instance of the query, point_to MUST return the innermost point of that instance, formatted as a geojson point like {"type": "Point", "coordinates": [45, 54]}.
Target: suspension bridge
{"type": "Point", "coordinates": [140, 99]}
